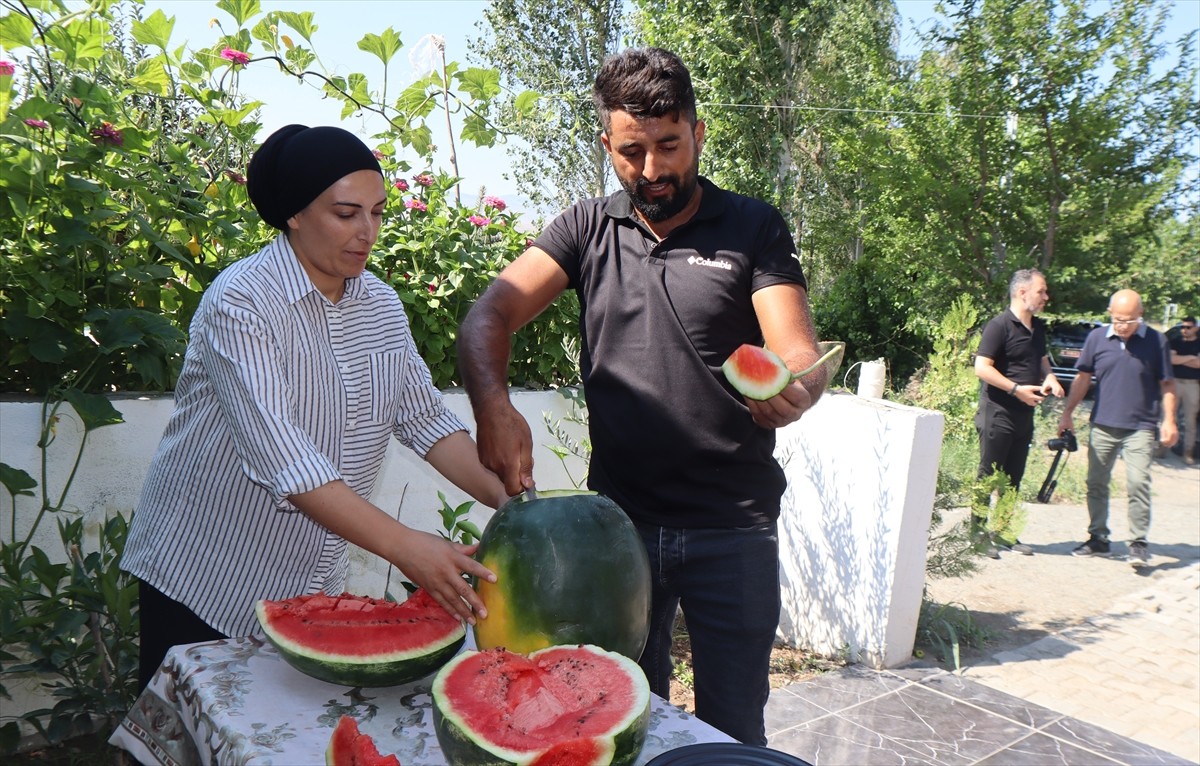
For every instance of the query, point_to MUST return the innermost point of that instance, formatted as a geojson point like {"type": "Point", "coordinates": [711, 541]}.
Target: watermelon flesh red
{"type": "Point", "coordinates": [360, 641]}
{"type": "Point", "coordinates": [350, 747]}
{"type": "Point", "coordinates": [560, 706]}
{"type": "Point", "coordinates": [758, 373]}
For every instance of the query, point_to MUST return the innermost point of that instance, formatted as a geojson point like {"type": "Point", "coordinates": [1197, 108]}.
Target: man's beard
{"type": "Point", "coordinates": [660, 210]}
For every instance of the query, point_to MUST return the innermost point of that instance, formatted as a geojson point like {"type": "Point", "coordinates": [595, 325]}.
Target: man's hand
{"type": "Point", "coordinates": [1168, 433]}
{"type": "Point", "coordinates": [1031, 395]}
{"type": "Point", "coordinates": [785, 407]}
{"type": "Point", "coordinates": [506, 447]}
{"type": "Point", "coordinates": [1051, 387]}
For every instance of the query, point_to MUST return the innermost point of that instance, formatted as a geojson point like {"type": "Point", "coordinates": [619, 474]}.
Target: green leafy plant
{"type": "Point", "coordinates": [457, 527]}
{"type": "Point", "coordinates": [567, 447]}
{"type": "Point", "coordinates": [947, 629]}
{"type": "Point", "coordinates": [70, 618]}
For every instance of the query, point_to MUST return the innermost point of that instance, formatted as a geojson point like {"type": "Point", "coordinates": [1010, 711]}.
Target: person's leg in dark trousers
{"type": "Point", "coordinates": [165, 623]}
{"type": "Point", "coordinates": [727, 581]}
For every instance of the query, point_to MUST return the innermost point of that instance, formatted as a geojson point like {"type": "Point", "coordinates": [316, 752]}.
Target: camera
{"type": "Point", "coordinates": [1065, 441]}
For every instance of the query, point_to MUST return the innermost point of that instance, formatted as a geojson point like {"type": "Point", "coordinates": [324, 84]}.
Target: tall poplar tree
{"type": "Point", "coordinates": [552, 48]}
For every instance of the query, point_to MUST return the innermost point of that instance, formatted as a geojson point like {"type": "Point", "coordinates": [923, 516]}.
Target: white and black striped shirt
{"type": "Point", "coordinates": [281, 392]}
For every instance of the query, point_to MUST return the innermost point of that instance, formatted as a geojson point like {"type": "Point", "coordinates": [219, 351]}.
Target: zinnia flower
{"type": "Point", "coordinates": [39, 124]}
{"type": "Point", "coordinates": [495, 202]}
{"type": "Point", "coordinates": [528, 243]}
{"type": "Point", "coordinates": [415, 204]}
{"type": "Point", "coordinates": [237, 57]}
{"type": "Point", "coordinates": [107, 134]}
{"type": "Point", "coordinates": [401, 184]}
{"type": "Point", "coordinates": [236, 177]}
{"type": "Point", "coordinates": [7, 67]}
{"type": "Point", "coordinates": [479, 220]}
{"type": "Point", "coordinates": [377, 154]}
{"type": "Point", "coordinates": [424, 179]}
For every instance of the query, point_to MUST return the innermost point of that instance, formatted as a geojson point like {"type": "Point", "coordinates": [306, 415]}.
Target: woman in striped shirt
{"type": "Point", "coordinates": [299, 369]}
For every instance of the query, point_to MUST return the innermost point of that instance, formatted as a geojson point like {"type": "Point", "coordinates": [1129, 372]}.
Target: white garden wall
{"type": "Point", "coordinates": [853, 534]}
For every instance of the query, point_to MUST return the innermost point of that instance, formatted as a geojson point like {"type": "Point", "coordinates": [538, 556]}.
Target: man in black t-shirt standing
{"type": "Point", "coordinates": [1185, 363]}
{"type": "Point", "coordinates": [673, 273]}
{"type": "Point", "coordinates": [1014, 373]}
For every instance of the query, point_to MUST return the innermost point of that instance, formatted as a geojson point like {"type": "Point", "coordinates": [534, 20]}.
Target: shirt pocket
{"type": "Point", "coordinates": [385, 386]}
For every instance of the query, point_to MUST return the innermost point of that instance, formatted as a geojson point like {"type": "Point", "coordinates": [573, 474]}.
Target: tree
{"type": "Point", "coordinates": [552, 49]}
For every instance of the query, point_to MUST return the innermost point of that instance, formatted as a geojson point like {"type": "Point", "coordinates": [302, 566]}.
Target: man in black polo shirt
{"type": "Point", "coordinates": [673, 274]}
{"type": "Point", "coordinates": [1135, 393]}
{"type": "Point", "coordinates": [1014, 374]}
{"type": "Point", "coordinates": [1185, 363]}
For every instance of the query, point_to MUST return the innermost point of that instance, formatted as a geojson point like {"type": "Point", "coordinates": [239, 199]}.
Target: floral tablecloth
{"type": "Point", "coordinates": [237, 702]}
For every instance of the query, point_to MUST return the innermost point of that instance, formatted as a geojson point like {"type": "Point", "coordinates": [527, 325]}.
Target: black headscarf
{"type": "Point", "coordinates": [297, 163]}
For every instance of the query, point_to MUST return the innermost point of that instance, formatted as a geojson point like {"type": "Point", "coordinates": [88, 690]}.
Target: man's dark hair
{"type": "Point", "coordinates": [1189, 319]}
{"type": "Point", "coordinates": [645, 82]}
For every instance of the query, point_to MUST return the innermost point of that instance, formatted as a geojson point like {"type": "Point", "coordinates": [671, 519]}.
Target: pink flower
{"type": "Point", "coordinates": [432, 286]}
{"type": "Point", "coordinates": [39, 124]}
{"type": "Point", "coordinates": [7, 67]}
{"type": "Point", "coordinates": [479, 220]}
{"type": "Point", "coordinates": [237, 57]}
{"type": "Point", "coordinates": [415, 204]}
{"type": "Point", "coordinates": [377, 154]}
{"type": "Point", "coordinates": [528, 243]}
{"type": "Point", "coordinates": [401, 184]}
{"type": "Point", "coordinates": [236, 177]}
{"type": "Point", "coordinates": [424, 179]}
{"type": "Point", "coordinates": [107, 134]}
{"type": "Point", "coordinates": [495, 202]}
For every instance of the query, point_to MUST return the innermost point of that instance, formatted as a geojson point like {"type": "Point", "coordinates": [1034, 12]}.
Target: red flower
{"type": "Point", "coordinates": [237, 57]}
{"type": "Point", "coordinates": [107, 134]}
{"type": "Point", "coordinates": [39, 124]}
{"type": "Point", "coordinates": [236, 177]}
{"type": "Point", "coordinates": [7, 67]}
{"type": "Point", "coordinates": [401, 184]}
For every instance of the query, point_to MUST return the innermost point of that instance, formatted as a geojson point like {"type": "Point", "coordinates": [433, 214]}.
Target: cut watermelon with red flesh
{"type": "Point", "coordinates": [360, 641]}
{"type": "Point", "coordinates": [561, 706]}
{"type": "Point", "coordinates": [350, 747]}
{"type": "Point", "coordinates": [758, 373]}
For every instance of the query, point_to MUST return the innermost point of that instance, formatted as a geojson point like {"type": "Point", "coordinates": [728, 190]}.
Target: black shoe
{"type": "Point", "coordinates": [1021, 548]}
{"type": "Point", "coordinates": [1095, 546]}
{"type": "Point", "coordinates": [992, 552]}
{"type": "Point", "coordinates": [1139, 554]}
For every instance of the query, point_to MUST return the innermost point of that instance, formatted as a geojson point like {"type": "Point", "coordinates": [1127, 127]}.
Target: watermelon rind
{"type": "Point", "coordinates": [462, 747]}
{"type": "Point", "coordinates": [571, 569]}
{"type": "Point", "coordinates": [367, 670]}
{"type": "Point", "coordinates": [756, 372]}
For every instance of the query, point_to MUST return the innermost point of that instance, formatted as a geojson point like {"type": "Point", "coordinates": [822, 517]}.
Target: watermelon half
{"type": "Point", "coordinates": [561, 706]}
{"type": "Point", "coordinates": [360, 641]}
{"type": "Point", "coordinates": [350, 747]}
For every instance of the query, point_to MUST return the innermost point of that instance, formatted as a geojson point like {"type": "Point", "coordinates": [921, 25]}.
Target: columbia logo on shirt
{"type": "Point", "coordinates": [696, 261]}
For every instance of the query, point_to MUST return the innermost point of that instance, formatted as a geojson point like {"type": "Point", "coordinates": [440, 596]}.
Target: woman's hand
{"type": "Point", "coordinates": [438, 566]}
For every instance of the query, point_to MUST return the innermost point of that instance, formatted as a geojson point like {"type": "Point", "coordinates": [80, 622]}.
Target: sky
{"type": "Point", "coordinates": [341, 23]}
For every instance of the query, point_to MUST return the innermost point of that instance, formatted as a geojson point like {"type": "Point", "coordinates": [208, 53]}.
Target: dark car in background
{"type": "Point", "coordinates": [1064, 342]}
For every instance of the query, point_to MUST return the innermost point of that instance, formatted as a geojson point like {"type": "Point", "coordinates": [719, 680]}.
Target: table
{"type": "Point", "coordinates": [237, 701]}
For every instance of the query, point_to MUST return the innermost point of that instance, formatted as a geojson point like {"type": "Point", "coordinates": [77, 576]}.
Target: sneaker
{"type": "Point", "coordinates": [1021, 548]}
{"type": "Point", "coordinates": [1095, 546]}
{"type": "Point", "coordinates": [992, 552]}
{"type": "Point", "coordinates": [1139, 554]}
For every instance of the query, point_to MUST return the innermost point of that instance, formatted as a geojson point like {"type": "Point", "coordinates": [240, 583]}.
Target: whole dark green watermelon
{"type": "Point", "coordinates": [571, 569]}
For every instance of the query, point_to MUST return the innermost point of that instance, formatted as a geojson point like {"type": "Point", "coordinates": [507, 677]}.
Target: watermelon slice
{"type": "Point", "coordinates": [350, 747]}
{"type": "Point", "coordinates": [561, 706]}
{"type": "Point", "coordinates": [360, 641]}
{"type": "Point", "coordinates": [758, 373]}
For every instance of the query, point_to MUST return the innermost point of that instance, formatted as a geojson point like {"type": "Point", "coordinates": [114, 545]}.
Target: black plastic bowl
{"type": "Point", "coordinates": [725, 754]}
